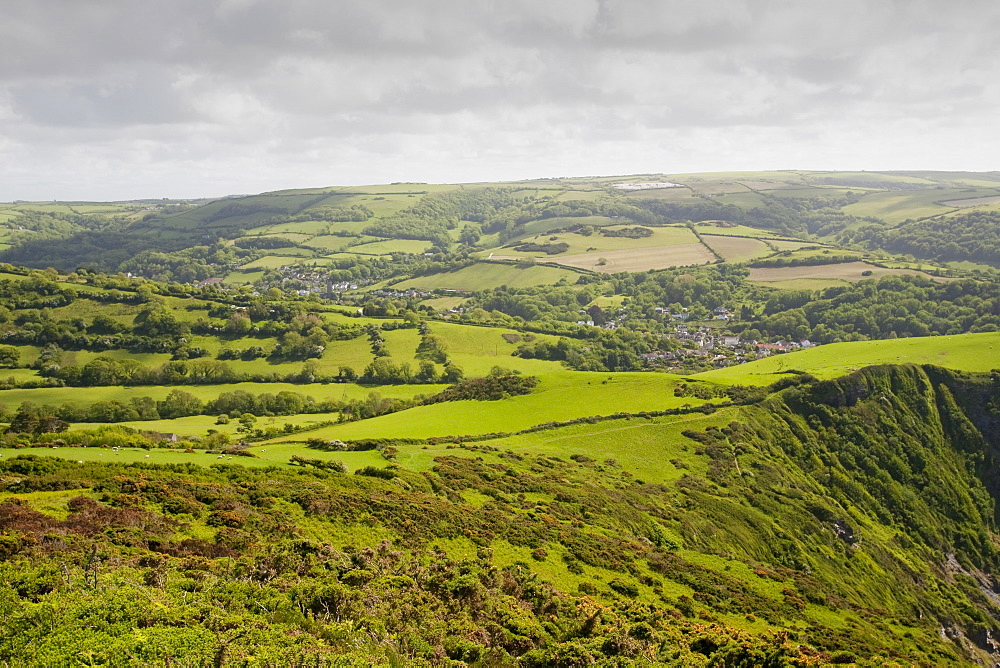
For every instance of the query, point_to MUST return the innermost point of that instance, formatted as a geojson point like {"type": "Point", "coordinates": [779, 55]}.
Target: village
{"type": "Point", "coordinates": [701, 346]}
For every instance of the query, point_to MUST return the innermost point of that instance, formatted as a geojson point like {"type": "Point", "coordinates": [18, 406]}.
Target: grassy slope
{"type": "Point", "coordinates": [758, 534]}
{"type": "Point", "coordinates": [965, 352]}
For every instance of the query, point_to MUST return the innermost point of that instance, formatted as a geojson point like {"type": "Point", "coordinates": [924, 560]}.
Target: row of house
{"type": "Point", "coordinates": [402, 294]}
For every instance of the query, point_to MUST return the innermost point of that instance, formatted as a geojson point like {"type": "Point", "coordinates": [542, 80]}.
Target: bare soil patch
{"type": "Point", "coordinates": [640, 259]}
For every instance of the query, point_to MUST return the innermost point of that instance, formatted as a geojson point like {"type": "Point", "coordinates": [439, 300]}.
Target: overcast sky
{"type": "Point", "coordinates": [114, 99]}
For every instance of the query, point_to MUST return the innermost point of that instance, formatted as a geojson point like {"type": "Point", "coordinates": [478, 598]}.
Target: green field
{"type": "Point", "coordinates": [560, 395]}
{"type": "Point", "coordinates": [389, 246]}
{"type": "Point", "coordinates": [597, 242]}
{"type": "Point", "coordinates": [326, 243]}
{"type": "Point", "coordinates": [643, 446]}
{"type": "Point", "coordinates": [743, 199]}
{"type": "Point", "coordinates": [444, 303]}
{"type": "Point", "coordinates": [963, 352]}
{"type": "Point", "coordinates": [478, 349]}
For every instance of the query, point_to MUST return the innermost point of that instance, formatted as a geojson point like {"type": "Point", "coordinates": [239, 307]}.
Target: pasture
{"type": "Point", "coordinates": [444, 303]}
{"type": "Point", "coordinates": [744, 200]}
{"type": "Point", "coordinates": [819, 191]}
{"type": "Point", "coordinates": [476, 350]}
{"type": "Point", "coordinates": [306, 227]}
{"type": "Point", "coordinates": [243, 277]}
{"type": "Point", "coordinates": [597, 242]}
{"type": "Point", "coordinates": [642, 446]}
{"type": "Point", "coordinates": [390, 246]}
{"type": "Point", "coordinates": [560, 395]}
{"type": "Point", "coordinates": [736, 249]}
{"type": "Point", "coordinates": [732, 230]}
{"type": "Point", "coordinates": [844, 271]}
{"type": "Point", "coordinates": [199, 426]}
{"type": "Point", "coordinates": [896, 206]}
{"type": "Point", "coordinates": [488, 275]}
{"type": "Point", "coordinates": [329, 242]}
{"type": "Point", "coordinates": [651, 449]}
{"type": "Point", "coordinates": [155, 456]}
{"type": "Point", "coordinates": [546, 225]}
{"type": "Point", "coordinates": [874, 179]}
{"type": "Point", "coordinates": [973, 201]}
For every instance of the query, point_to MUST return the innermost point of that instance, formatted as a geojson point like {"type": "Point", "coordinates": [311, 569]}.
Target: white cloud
{"type": "Point", "coordinates": [117, 98]}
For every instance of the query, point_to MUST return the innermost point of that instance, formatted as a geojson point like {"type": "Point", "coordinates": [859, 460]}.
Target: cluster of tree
{"type": "Point", "coordinates": [550, 249]}
{"type": "Point", "coordinates": [383, 371]}
{"type": "Point", "coordinates": [374, 404]}
{"type": "Point", "coordinates": [30, 417]}
{"type": "Point", "coordinates": [188, 265]}
{"type": "Point", "coordinates": [108, 371]}
{"type": "Point", "coordinates": [33, 292]}
{"type": "Point", "coordinates": [332, 214]}
{"type": "Point", "coordinates": [264, 242]}
{"type": "Point", "coordinates": [432, 347]}
{"type": "Point", "coordinates": [971, 237]}
{"type": "Point", "coordinates": [627, 232]}
{"type": "Point", "coordinates": [45, 225]}
{"type": "Point", "coordinates": [793, 216]}
{"type": "Point", "coordinates": [536, 303]}
{"type": "Point", "coordinates": [605, 350]}
{"type": "Point", "coordinates": [246, 354]}
{"type": "Point", "coordinates": [893, 306]}
{"type": "Point", "coordinates": [499, 384]}
{"type": "Point", "coordinates": [784, 259]}
{"type": "Point", "coordinates": [411, 227]}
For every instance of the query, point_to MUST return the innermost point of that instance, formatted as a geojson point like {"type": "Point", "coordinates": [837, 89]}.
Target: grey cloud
{"type": "Point", "coordinates": [121, 101]}
{"type": "Point", "coordinates": [441, 87]}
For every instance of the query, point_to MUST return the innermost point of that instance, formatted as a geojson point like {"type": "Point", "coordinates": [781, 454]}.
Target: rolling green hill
{"type": "Point", "coordinates": [531, 423]}
{"type": "Point", "coordinates": [342, 227]}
